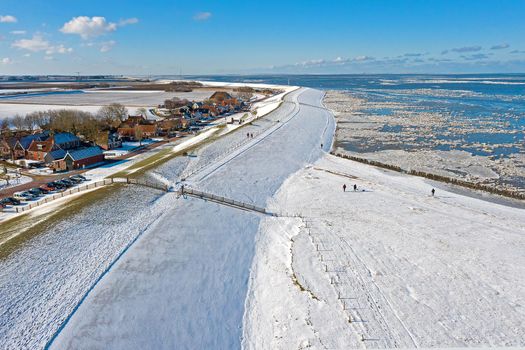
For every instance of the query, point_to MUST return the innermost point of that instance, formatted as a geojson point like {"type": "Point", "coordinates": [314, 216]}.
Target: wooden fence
{"type": "Point", "coordinates": [435, 177]}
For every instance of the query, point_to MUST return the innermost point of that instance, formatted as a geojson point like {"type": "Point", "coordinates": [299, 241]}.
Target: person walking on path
{"type": "Point", "coordinates": [344, 187]}
{"type": "Point", "coordinates": [355, 187]}
{"type": "Point", "coordinates": [433, 192]}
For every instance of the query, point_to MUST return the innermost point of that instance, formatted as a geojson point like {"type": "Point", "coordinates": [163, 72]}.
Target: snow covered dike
{"type": "Point", "coordinates": [181, 279]}
{"type": "Point", "coordinates": [184, 281]}
{"type": "Point", "coordinates": [385, 266]}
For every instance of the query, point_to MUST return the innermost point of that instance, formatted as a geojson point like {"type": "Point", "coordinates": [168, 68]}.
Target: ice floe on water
{"type": "Point", "coordinates": [451, 133]}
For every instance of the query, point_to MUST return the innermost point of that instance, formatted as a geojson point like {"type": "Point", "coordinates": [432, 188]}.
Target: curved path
{"type": "Point", "coordinates": [183, 283]}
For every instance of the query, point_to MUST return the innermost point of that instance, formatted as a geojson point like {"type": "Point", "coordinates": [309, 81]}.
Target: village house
{"type": "Point", "coordinates": [108, 140]}
{"type": "Point", "coordinates": [54, 156]}
{"type": "Point", "coordinates": [138, 132]}
{"type": "Point", "coordinates": [16, 147]}
{"type": "Point", "coordinates": [79, 159]}
{"type": "Point", "coordinates": [38, 149]}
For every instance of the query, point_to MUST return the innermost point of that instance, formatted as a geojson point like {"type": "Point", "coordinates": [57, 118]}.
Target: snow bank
{"type": "Point", "coordinates": [385, 266]}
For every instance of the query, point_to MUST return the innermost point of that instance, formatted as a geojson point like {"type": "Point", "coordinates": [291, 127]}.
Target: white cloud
{"type": "Point", "coordinates": [6, 60]}
{"type": "Point", "coordinates": [466, 49]}
{"type": "Point", "coordinates": [500, 46]}
{"type": "Point", "coordinates": [202, 16]}
{"type": "Point", "coordinates": [59, 49]}
{"type": "Point", "coordinates": [49, 58]}
{"type": "Point", "coordinates": [88, 27]}
{"type": "Point", "coordinates": [18, 32]}
{"type": "Point", "coordinates": [107, 46]}
{"type": "Point", "coordinates": [127, 21]}
{"type": "Point", "coordinates": [8, 19]}
{"type": "Point", "coordinates": [37, 43]}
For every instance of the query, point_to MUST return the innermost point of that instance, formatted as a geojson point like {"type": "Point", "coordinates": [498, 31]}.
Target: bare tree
{"type": "Point", "coordinates": [142, 111]}
{"type": "Point", "coordinates": [18, 122]}
{"type": "Point", "coordinates": [112, 115]}
{"type": "Point", "coordinates": [139, 134]}
{"type": "Point", "coordinates": [4, 126]}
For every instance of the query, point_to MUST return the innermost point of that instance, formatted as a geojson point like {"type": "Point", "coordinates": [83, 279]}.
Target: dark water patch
{"type": "Point", "coordinates": [391, 128]}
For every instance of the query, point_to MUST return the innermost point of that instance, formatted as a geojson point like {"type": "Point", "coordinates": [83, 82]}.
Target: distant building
{"type": "Point", "coordinates": [145, 132]}
{"type": "Point", "coordinates": [108, 140]}
{"type": "Point", "coordinates": [220, 96]}
{"type": "Point", "coordinates": [66, 140]}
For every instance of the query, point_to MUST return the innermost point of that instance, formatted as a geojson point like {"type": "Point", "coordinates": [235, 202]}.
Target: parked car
{"type": "Point", "coordinates": [36, 165]}
{"type": "Point", "coordinates": [35, 192]}
{"type": "Point", "coordinates": [75, 180]}
{"type": "Point", "coordinates": [10, 201]}
{"type": "Point", "coordinates": [24, 196]}
{"type": "Point", "coordinates": [42, 190]}
{"type": "Point", "coordinates": [64, 184]}
{"type": "Point", "coordinates": [68, 183]}
{"type": "Point", "coordinates": [47, 188]}
{"type": "Point", "coordinates": [52, 185]}
{"type": "Point", "coordinates": [57, 186]}
{"type": "Point", "coordinates": [78, 176]}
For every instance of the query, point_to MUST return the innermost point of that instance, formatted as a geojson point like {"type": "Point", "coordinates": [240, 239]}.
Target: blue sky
{"type": "Point", "coordinates": [217, 37]}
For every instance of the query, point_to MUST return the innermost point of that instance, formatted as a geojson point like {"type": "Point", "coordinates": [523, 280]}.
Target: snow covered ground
{"type": "Point", "coordinates": [386, 266]}
{"type": "Point", "coordinates": [14, 180]}
{"type": "Point", "coordinates": [64, 251]}
{"type": "Point", "coordinates": [184, 282]}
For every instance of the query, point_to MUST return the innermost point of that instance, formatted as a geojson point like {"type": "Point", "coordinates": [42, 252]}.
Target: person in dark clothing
{"type": "Point", "coordinates": [355, 187]}
{"type": "Point", "coordinates": [248, 135]}
{"type": "Point", "coordinates": [433, 192]}
{"type": "Point", "coordinates": [344, 187]}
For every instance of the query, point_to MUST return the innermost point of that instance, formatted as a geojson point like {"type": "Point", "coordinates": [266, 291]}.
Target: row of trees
{"type": "Point", "coordinates": [68, 120]}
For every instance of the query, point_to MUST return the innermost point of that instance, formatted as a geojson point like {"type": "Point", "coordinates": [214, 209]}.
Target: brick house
{"type": "Point", "coordinates": [79, 158]}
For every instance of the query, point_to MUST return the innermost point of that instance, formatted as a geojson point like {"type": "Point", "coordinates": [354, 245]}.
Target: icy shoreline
{"type": "Point", "coordinates": [388, 138]}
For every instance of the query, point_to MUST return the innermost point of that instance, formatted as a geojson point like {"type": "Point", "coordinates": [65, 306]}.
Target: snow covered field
{"type": "Point", "coordinates": [386, 266]}
{"type": "Point", "coordinates": [105, 97]}
{"type": "Point", "coordinates": [92, 101]}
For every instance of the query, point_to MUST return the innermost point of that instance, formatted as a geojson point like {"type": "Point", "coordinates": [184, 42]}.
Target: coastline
{"type": "Point", "coordinates": [505, 176]}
